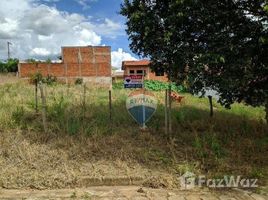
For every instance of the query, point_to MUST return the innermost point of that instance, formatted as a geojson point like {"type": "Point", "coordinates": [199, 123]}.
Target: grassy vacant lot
{"type": "Point", "coordinates": [82, 143]}
{"type": "Point", "coordinates": [8, 78]}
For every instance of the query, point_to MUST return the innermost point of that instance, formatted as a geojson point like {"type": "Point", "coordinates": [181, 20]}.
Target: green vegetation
{"type": "Point", "coordinates": [82, 141]}
{"type": "Point", "coordinates": [37, 77]}
{"type": "Point", "coordinates": [79, 81]}
{"type": "Point", "coordinates": [208, 45]}
{"type": "Point", "coordinates": [155, 86]}
{"type": "Point", "coordinates": [10, 66]}
{"type": "Point", "coordinates": [161, 86]}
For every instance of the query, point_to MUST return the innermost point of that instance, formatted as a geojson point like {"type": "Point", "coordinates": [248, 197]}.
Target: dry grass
{"type": "Point", "coordinates": [8, 78]}
{"type": "Point", "coordinates": [81, 141]}
{"type": "Point", "coordinates": [62, 162]}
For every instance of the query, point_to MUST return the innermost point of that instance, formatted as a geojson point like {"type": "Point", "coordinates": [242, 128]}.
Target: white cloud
{"type": "Point", "coordinates": [44, 20]}
{"type": "Point", "coordinates": [51, 0]}
{"type": "Point", "coordinates": [119, 56]}
{"type": "Point", "coordinates": [38, 30]}
{"type": "Point", "coordinates": [85, 35]}
{"type": "Point", "coordinates": [40, 52]}
{"type": "Point", "coordinates": [85, 3]}
{"type": "Point", "coordinates": [8, 28]}
{"type": "Point", "coordinates": [109, 28]}
{"type": "Point", "coordinates": [105, 27]}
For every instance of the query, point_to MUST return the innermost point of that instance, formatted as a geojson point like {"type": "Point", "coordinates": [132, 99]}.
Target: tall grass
{"type": "Point", "coordinates": [233, 141]}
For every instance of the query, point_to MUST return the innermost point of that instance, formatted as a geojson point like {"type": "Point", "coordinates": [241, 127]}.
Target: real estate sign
{"type": "Point", "coordinates": [141, 105]}
{"type": "Point", "coordinates": [133, 81]}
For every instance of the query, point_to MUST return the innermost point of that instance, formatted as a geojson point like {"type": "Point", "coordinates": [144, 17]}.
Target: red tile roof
{"type": "Point", "coordinates": [135, 63]}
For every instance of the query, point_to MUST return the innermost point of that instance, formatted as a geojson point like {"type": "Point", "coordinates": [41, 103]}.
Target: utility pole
{"type": "Point", "coordinates": [8, 49]}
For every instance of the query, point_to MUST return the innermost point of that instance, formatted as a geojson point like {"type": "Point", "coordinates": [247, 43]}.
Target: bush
{"type": "Point", "coordinates": [118, 85]}
{"type": "Point", "coordinates": [154, 86]}
{"type": "Point", "coordinates": [38, 77]}
{"type": "Point", "coordinates": [50, 79]}
{"type": "Point", "coordinates": [79, 81]}
{"type": "Point", "coordinates": [160, 86]}
{"type": "Point", "coordinates": [3, 67]}
{"type": "Point", "coordinates": [10, 66]}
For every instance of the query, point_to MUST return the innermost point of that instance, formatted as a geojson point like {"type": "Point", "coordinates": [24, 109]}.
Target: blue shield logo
{"type": "Point", "coordinates": [141, 105]}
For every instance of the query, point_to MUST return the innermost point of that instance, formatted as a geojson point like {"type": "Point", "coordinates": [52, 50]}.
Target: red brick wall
{"type": "Point", "coordinates": [96, 61]}
{"type": "Point", "coordinates": [88, 54]}
{"type": "Point", "coordinates": [149, 74]}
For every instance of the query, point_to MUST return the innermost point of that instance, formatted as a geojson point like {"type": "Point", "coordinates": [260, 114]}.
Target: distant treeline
{"type": "Point", "coordinates": [11, 65]}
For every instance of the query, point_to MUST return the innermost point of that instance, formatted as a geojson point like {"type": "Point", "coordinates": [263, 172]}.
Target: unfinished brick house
{"type": "Point", "coordinates": [141, 67]}
{"type": "Point", "coordinates": [91, 63]}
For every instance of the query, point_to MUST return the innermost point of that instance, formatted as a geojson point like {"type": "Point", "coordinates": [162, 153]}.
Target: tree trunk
{"type": "Point", "coordinates": [266, 111]}
{"type": "Point", "coordinates": [210, 105]}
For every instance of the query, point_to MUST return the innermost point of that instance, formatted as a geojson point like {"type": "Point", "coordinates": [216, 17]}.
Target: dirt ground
{"type": "Point", "coordinates": [130, 193]}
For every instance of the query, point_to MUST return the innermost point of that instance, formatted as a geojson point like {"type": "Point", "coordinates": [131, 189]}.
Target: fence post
{"type": "Point", "coordinates": [36, 99]}
{"type": "Point", "coordinates": [110, 105]}
{"type": "Point", "coordinates": [84, 101]}
{"type": "Point", "coordinates": [166, 112]}
{"type": "Point", "coordinates": [210, 105]}
{"type": "Point", "coordinates": [169, 112]}
{"type": "Point", "coordinates": [44, 117]}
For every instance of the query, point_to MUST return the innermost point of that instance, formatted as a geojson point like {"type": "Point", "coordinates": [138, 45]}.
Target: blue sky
{"type": "Point", "coordinates": [98, 10]}
{"type": "Point", "coordinates": [38, 28]}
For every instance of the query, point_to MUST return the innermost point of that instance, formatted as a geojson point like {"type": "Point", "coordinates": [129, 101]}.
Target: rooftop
{"type": "Point", "coordinates": [134, 63]}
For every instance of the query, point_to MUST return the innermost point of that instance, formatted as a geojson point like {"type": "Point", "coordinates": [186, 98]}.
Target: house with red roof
{"type": "Point", "coordinates": [142, 67]}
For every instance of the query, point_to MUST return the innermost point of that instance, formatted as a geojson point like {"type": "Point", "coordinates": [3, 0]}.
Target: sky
{"type": "Point", "coordinates": [39, 28]}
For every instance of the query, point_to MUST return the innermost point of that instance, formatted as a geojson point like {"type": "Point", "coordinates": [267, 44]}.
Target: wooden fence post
{"type": "Point", "coordinates": [44, 117]}
{"type": "Point", "coordinates": [169, 109]}
{"type": "Point", "coordinates": [84, 101]}
{"type": "Point", "coordinates": [110, 105]}
{"type": "Point", "coordinates": [36, 98]}
{"type": "Point", "coordinates": [166, 112]}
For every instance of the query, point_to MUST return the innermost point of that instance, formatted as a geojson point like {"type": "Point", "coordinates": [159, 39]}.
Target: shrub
{"type": "Point", "coordinates": [36, 77]}
{"type": "Point", "coordinates": [50, 79]}
{"type": "Point", "coordinates": [79, 81]}
{"type": "Point", "coordinates": [118, 85]}
{"type": "Point", "coordinates": [10, 66]}
{"type": "Point", "coordinates": [3, 67]}
{"type": "Point", "coordinates": [154, 86]}
{"type": "Point", "coordinates": [159, 86]}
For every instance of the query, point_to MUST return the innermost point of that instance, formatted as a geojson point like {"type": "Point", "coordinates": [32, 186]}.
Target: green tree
{"type": "Point", "coordinates": [2, 67]}
{"type": "Point", "coordinates": [222, 45]}
{"type": "Point", "coordinates": [10, 66]}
